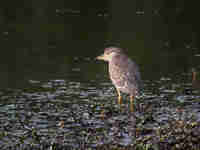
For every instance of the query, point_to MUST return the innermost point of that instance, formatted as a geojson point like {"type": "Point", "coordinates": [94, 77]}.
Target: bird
{"type": "Point", "coordinates": [124, 72]}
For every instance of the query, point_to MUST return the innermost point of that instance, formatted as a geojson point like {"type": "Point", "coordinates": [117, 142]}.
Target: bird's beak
{"type": "Point", "coordinates": [101, 57]}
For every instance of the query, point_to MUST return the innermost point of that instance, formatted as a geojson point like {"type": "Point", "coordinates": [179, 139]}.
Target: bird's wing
{"type": "Point", "coordinates": [124, 72]}
{"type": "Point", "coordinates": [133, 74]}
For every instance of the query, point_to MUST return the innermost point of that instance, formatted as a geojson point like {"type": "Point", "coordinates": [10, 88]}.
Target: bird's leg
{"type": "Point", "coordinates": [119, 97]}
{"type": "Point", "coordinates": [131, 103]}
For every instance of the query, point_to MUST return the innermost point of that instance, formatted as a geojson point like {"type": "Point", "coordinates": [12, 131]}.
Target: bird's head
{"type": "Point", "coordinates": [109, 53]}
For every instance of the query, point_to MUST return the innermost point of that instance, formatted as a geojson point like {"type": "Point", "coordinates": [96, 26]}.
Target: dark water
{"type": "Point", "coordinates": [54, 94]}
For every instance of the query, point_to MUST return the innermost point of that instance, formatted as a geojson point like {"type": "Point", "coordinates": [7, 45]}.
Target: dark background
{"type": "Point", "coordinates": [46, 39]}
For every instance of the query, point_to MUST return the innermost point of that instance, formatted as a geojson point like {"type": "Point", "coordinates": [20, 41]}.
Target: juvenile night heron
{"type": "Point", "coordinates": [123, 72]}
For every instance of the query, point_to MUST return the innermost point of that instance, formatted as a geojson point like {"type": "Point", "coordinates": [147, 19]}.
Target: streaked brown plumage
{"type": "Point", "coordinates": [123, 72]}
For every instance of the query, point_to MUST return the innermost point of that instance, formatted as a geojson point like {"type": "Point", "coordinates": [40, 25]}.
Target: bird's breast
{"type": "Point", "coordinates": [117, 75]}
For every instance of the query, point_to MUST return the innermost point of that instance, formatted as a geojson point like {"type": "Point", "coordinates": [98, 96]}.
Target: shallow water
{"type": "Point", "coordinates": [83, 113]}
